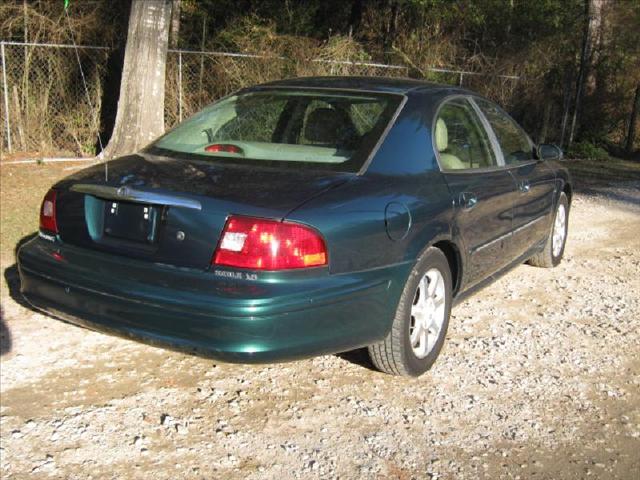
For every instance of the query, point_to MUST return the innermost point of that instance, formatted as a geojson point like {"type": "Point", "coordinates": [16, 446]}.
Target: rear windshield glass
{"type": "Point", "coordinates": [285, 128]}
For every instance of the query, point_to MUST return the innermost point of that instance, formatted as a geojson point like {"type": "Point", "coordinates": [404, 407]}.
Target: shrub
{"type": "Point", "coordinates": [587, 150]}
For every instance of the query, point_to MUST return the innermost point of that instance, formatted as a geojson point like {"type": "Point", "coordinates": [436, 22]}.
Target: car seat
{"type": "Point", "coordinates": [329, 126]}
{"type": "Point", "coordinates": [448, 161]}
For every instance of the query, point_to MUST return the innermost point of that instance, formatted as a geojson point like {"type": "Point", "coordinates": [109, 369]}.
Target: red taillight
{"type": "Point", "coordinates": [260, 244]}
{"type": "Point", "coordinates": [48, 213]}
{"type": "Point", "coordinates": [223, 147]}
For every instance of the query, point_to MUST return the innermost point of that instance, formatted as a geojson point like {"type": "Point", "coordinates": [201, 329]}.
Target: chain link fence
{"type": "Point", "coordinates": [195, 79]}
{"type": "Point", "coordinates": [45, 108]}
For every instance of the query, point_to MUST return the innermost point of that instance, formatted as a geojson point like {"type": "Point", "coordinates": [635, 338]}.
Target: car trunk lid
{"type": "Point", "coordinates": [172, 211]}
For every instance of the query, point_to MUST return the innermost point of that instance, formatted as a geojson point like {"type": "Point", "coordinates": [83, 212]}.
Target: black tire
{"type": "Point", "coordinates": [394, 355]}
{"type": "Point", "coordinates": [546, 258]}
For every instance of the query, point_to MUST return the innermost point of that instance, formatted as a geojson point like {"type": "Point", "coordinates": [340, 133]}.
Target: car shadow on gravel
{"type": "Point", "coordinates": [5, 335]}
{"type": "Point", "coordinates": [610, 194]}
{"type": "Point", "coordinates": [12, 278]}
{"type": "Point", "coordinates": [358, 357]}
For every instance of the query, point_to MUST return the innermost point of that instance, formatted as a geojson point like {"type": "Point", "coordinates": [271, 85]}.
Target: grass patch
{"type": "Point", "coordinates": [22, 188]}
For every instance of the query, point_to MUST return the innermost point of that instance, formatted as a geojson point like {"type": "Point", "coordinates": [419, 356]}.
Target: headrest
{"type": "Point", "coordinates": [442, 135]}
{"type": "Point", "coordinates": [324, 125]}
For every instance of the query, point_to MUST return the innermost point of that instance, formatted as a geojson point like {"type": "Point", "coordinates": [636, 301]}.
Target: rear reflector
{"type": "Point", "coordinates": [48, 213]}
{"type": "Point", "coordinates": [261, 244]}
{"type": "Point", "coordinates": [223, 147]}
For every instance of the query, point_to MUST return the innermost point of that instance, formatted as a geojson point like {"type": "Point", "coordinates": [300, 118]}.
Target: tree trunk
{"type": "Point", "coordinates": [391, 29]}
{"type": "Point", "coordinates": [113, 73]}
{"type": "Point", "coordinates": [510, 20]}
{"type": "Point", "coordinates": [201, 74]}
{"type": "Point", "coordinates": [566, 104]}
{"type": "Point", "coordinates": [597, 43]}
{"type": "Point", "coordinates": [355, 17]}
{"type": "Point", "coordinates": [633, 121]}
{"type": "Point", "coordinates": [26, 21]}
{"type": "Point", "coordinates": [584, 58]}
{"type": "Point", "coordinates": [175, 24]}
{"type": "Point", "coordinates": [546, 119]}
{"type": "Point", "coordinates": [140, 116]}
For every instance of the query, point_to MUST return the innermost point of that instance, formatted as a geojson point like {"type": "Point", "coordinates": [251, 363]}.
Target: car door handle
{"type": "Point", "coordinates": [467, 200]}
{"type": "Point", "coordinates": [524, 186]}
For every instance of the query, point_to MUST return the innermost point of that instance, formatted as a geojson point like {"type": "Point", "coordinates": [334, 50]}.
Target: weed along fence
{"type": "Point", "coordinates": [44, 105]}
{"type": "Point", "coordinates": [46, 109]}
{"type": "Point", "coordinates": [194, 79]}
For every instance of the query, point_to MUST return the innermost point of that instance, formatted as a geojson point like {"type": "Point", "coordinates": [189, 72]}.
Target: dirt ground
{"type": "Point", "coordinates": [539, 378]}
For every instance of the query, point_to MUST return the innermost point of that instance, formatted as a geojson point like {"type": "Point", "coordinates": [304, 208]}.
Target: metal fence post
{"type": "Point", "coordinates": [180, 86]}
{"type": "Point", "coordinates": [6, 95]}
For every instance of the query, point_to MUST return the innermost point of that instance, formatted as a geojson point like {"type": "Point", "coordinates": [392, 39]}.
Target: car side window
{"type": "Point", "coordinates": [461, 140]}
{"type": "Point", "coordinates": [514, 143]}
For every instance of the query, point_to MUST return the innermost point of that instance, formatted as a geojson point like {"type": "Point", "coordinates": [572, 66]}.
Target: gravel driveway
{"type": "Point", "coordinates": [539, 378]}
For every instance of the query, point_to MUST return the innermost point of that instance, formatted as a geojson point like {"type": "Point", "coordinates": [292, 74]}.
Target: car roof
{"type": "Point", "coordinates": [376, 84]}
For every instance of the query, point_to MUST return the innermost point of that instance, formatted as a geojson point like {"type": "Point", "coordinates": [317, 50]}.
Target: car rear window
{"type": "Point", "coordinates": [290, 128]}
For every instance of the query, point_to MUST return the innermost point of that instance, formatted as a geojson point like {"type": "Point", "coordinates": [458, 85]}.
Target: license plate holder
{"type": "Point", "coordinates": [130, 221]}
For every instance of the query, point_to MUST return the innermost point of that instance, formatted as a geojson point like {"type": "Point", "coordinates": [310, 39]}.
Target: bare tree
{"type": "Point", "coordinates": [566, 103]}
{"type": "Point", "coordinates": [633, 120]}
{"type": "Point", "coordinates": [175, 24]}
{"type": "Point", "coordinates": [140, 115]}
{"type": "Point", "coordinates": [584, 59]}
{"type": "Point", "coordinates": [593, 42]}
{"type": "Point", "coordinates": [355, 17]}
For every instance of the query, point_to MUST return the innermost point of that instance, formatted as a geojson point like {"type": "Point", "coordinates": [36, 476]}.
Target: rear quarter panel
{"type": "Point", "coordinates": [360, 236]}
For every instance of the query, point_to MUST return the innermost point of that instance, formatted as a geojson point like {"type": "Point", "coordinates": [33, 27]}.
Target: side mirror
{"type": "Point", "coordinates": [548, 151]}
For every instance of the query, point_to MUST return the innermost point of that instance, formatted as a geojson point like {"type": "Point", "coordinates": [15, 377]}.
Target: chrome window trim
{"type": "Point", "coordinates": [490, 132]}
{"type": "Point", "coordinates": [383, 136]}
{"type": "Point", "coordinates": [505, 168]}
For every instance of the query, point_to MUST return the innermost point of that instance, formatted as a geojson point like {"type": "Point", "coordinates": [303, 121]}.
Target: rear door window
{"type": "Point", "coordinates": [514, 143]}
{"type": "Point", "coordinates": [460, 138]}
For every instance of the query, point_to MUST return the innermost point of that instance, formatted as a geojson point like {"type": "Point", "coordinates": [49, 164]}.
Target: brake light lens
{"type": "Point", "coordinates": [261, 244]}
{"type": "Point", "coordinates": [223, 147]}
{"type": "Point", "coordinates": [48, 221]}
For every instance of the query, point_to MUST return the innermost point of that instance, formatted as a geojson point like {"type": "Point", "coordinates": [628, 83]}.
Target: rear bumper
{"type": "Point", "coordinates": [273, 317]}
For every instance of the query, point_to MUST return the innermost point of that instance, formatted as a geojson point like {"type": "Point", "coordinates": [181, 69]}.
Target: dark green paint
{"type": "Point", "coordinates": [168, 293]}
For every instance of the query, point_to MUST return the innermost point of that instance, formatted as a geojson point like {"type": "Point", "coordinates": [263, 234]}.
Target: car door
{"type": "Point", "coordinates": [533, 206]}
{"type": "Point", "coordinates": [482, 189]}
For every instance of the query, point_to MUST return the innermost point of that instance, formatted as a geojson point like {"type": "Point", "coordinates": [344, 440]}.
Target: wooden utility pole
{"type": "Point", "coordinates": [140, 114]}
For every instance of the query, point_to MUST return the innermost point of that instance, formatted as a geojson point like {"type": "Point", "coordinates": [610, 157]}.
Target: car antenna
{"type": "Point", "coordinates": [86, 88]}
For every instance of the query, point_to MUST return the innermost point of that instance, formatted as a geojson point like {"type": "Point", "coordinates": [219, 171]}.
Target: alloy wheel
{"type": "Point", "coordinates": [559, 230]}
{"type": "Point", "coordinates": [427, 313]}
